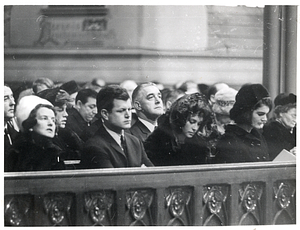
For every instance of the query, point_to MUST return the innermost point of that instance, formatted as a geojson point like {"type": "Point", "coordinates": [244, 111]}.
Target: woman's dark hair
{"type": "Point", "coordinates": [31, 120]}
{"type": "Point", "coordinates": [185, 107]}
{"type": "Point", "coordinates": [245, 117]}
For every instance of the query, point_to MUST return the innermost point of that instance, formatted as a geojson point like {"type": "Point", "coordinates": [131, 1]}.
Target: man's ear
{"type": "Point", "coordinates": [104, 114]}
{"type": "Point", "coordinates": [78, 104]}
{"type": "Point", "coordinates": [137, 105]}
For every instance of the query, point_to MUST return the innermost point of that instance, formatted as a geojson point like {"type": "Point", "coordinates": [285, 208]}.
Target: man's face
{"type": "Point", "coordinates": [9, 103]}
{"type": "Point", "coordinates": [120, 116]}
{"type": "Point", "coordinates": [87, 110]}
{"type": "Point", "coordinates": [151, 102]}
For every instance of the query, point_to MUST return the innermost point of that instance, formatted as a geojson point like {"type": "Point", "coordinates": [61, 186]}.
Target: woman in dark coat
{"type": "Point", "coordinates": [280, 132]}
{"type": "Point", "coordinates": [34, 149]}
{"type": "Point", "coordinates": [65, 138]}
{"type": "Point", "coordinates": [175, 140]}
{"type": "Point", "coordinates": [243, 141]}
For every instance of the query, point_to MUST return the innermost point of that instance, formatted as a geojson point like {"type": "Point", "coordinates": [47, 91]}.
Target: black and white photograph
{"type": "Point", "coordinates": [150, 114]}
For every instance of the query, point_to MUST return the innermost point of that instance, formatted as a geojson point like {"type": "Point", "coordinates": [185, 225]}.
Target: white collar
{"type": "Point", "coordinates": [114, 135]}
{"type": "Point", "coordinates": [150, 126]}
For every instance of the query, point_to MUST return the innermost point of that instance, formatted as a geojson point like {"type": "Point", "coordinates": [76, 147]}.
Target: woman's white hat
{"type": "Point", "coordinates": [25, 106]}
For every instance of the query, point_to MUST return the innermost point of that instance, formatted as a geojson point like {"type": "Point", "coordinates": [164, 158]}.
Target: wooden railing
{"type": "Point", "coordinates": [225, 194]}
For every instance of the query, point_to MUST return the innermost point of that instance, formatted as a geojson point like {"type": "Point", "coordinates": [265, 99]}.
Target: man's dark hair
{"type": "Point", "coordinates": [84, 94]}
{"type": "Point", "coordinates": [106, 96]}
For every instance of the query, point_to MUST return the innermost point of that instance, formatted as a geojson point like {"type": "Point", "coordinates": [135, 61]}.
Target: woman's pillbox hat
{"type": "Point", "coordinates": [285, 99]}
{"type": "Point", "coordinates": [56, 96]}
{"type": "Point", "coordinates": [247, 97]}
{"type": "Point", "coordinates": [25, 106]}
{"type": "Point", "coordinates": [70, 87]}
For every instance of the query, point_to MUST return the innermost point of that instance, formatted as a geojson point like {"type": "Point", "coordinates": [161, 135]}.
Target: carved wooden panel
{"type": "Point", "coordinates": [139, 207]}
{"type": "Point", "coordinates": [18, 210]}
{"type": "Point", "coordinates": [178, 206]}
{"type": "Point", "coordinates": [99, 208]}
{"type": "Point", "coordinates": [284, 204]}
{"type": "Point", "coordinates": [59, 209]}
{"type": "Point", "coordinates": [250, 204]}
{"type": "Point", "coordinates": [215, 205]}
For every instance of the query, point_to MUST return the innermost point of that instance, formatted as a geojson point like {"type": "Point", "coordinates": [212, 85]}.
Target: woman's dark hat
{"type": "Point", "coordinates": [285, 98]}
{"type": "Point", "coordinates": [56, 96]}
{"type": "Point", "coordinates": [246, 99]}
{"type": "Point", "coordinates": [70, 87]}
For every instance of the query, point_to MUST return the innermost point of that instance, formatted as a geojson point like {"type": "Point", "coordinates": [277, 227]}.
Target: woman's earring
{"type": "Point", "coordinates": [31, 129]}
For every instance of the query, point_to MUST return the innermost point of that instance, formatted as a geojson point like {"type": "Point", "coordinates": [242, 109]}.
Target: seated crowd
{"type": "Point", "coordinates": [97, 125]}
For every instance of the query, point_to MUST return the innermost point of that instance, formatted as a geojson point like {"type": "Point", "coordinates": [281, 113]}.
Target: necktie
{"type": "Point", "coordinates": [123, 144]}
{"type": "Point", "coordinates": [7, 136]}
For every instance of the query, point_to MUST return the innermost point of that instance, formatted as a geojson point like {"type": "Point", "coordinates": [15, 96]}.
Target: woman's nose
{"type": "Point", "coordinates": [264, 118]}
{"type": "Point", "coordinates": [195, 127]}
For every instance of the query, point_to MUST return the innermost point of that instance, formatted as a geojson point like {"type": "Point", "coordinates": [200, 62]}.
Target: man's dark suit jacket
{"type": "Point", "coordinates": [102, 151]}
{"type": "Point", "coordinates": [139, 130]}
{"type": "Point", "coordinates": [75, 122]}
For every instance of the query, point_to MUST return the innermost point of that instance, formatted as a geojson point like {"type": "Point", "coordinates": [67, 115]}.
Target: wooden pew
{"type": "Point", "coordinates": [225, 194]}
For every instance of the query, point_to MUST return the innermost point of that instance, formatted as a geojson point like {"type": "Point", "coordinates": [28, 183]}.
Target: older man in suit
{"type": "Point", "coordinates": [147, 102]}
{"type": "Point", "coordinates": [11, 129]}
{"type": "Point", "coordinates": [111, 147]}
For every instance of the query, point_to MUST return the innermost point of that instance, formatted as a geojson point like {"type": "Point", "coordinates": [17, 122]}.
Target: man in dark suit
{"type": "Point", "coordinates": [10, 126]}
{"type": "Point", "coordinates": [111, 147]}
{"type": "Point", "coordinates": [147, 102]}
{"type": "Point", "coordinates": [82, 115]}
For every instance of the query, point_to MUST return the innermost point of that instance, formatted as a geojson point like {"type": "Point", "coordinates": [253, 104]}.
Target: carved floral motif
{"type": "Point", "coordinates": [214, 199]}
{"type": "Point", "coordinates": [250, 198]}
{"type": "Point", "coordinates": [98, 205]}
{"type": "Point", "coordinates": [284, 192]}
{"type": "Point", "coordinates": [57, 206]}
{"type": "Point", "coordinates": [177, 201]}
{"type": "Point", "coordinates": [15, 211]}
{"type": "Point", "coordinates": [138, 202]}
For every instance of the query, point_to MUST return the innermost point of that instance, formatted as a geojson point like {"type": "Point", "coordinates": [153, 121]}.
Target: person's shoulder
{"type": "Point", "coordinates": [97, 139]}
{"type": "Point", "coordinates": [131, 137]}
{"type": "Point", "coordinates": [71, 111]}
{"type": "Point", "coordinates": [73, 117]}
{"type": "Point", "coordinates": [139, 127]}
{"type": "Point", "coordinates": [232, 133]}
{"type": "Point", "coordinates": [271, 125]}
